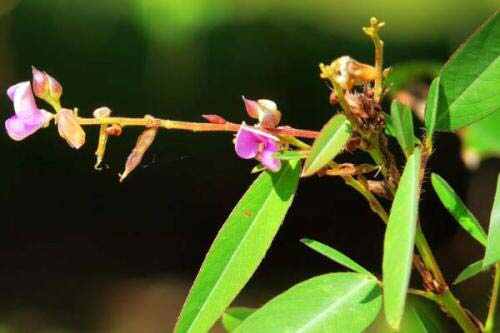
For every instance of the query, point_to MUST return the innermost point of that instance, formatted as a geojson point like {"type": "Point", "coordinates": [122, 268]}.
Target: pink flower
{"type": "Point", "coordinates": [47, 88]}
{"type": "Point", "coordinates": [265, 110]}
{"type": "Point", "coordinates": [254, 143]}
{"type": "Point", "coordinates": [28, 118]}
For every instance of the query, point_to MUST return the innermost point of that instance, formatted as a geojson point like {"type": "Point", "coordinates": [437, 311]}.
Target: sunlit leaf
{"type": "Point", "coordinates": [492, 254]}
{"type": "Point", "coordinates": [420, 316]}
{"type": "Point", "coordinates": [431, 107]}
{"type": "Point", "coordinates": [239, 248]}
{"type": "Point", "coordinates": [452, 202]}
{"type": "Point", "coordinates": [405, 74]}
{"type": "Point", "coordinates": [402, 124]}
{"type": "Point", "coordinates": [482, 138]}
{"type": "Point", "coordinates": [470, 271]}
{"type": "Point", "coordinates": [233, 317]}
{"type": "Point", "coordinates": [470, 80]}
{"type": "Point", "coordinates": [330, 142]}
{"type": "Point", "coordinates": [399, 241]}
{"type": "Point", "coordinates": [336, 302]}
{"type": "Point", "coordinates": [335, 255]}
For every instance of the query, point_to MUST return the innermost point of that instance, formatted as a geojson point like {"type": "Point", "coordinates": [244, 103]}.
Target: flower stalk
{"type": "Point", "coordinates": [191, 126]}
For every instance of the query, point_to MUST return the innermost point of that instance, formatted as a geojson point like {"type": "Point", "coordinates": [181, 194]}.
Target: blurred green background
{"type": "Point", "coordinates": [82, 253]}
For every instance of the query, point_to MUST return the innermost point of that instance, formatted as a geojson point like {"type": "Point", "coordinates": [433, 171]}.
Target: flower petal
{"type": "Point", "coordinates": [252, 107]}
{"type": "Point", "coordinates": [269, 161]}
{"type": "Point", "coordinates": [246, 143]}
{"type": "Point", "coordinates": [24, 103]}
{"type": "Point", "coordinates": [19, 130]}
{"type": "Point", "coordinates": [268, 104]}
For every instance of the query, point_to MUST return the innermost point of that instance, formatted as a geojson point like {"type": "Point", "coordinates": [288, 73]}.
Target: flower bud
{"type": "Point", "coordinates": [102, 112]}
{"type": "Point", "coordinates": [69, 128]}
{"type": "Point", "coordinates": [47, 88]}
{"type": "Point", "coordinates": [265, 110]}
{"type": "Point", "coordinates": [114, 130]}
{"type": "Point", "coordinates": [144, 141]}
{"type": "Point", "coordinates": [214, 118]}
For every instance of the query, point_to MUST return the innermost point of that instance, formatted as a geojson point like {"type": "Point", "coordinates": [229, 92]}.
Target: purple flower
{"type": "Point", "coordinates": [28, 118]}
{"type": "Point", "coordinates": [253, 143]}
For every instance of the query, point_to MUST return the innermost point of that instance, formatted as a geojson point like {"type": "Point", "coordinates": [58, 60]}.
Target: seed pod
{"type": "Point", "coordinates": [144, 141]}
{"type": "Point", "coordinates": [69, 128]}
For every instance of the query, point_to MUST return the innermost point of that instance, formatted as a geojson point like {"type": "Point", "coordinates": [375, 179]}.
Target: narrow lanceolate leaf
{"type": "Point", "coordinates": [420, 316]}
{"type": "Point", "coordinates": [233, 317]}
{"type": "Point", "coordinates": [330, 142]}
{"type": "Point", "coordinates": [470, 271]}
{"type": "Point", "coordinates": [402, 124]}
{"type": "Point", "coordinates": [239, 248]}
{"type": "Point", "coordinates": [457, 208]}
{"type": "Point", "coordinates": [492, 254]}
{"type": "Point", "coordinates": [336, 302]}
{"type": "Point", "coordinates": [431, 107]}
{"type": "Point", "coordinates": [399, 241]}
{"type": "Point", "coordinates": [470, 79]}
{"type": "Point", "coordinates": [335, 255]}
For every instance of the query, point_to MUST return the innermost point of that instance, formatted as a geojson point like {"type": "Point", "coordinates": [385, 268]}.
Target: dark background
{"type": "Point", "coordinates": [80, 251]}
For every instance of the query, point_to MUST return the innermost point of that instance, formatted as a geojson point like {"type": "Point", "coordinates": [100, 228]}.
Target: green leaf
{"type": "Point", "coordinates": [335, 255]}
{"type": "Point", "coordinates": [399, 241]}
{"type": "Point", "coordinates": [470, 271]}
{"type": "Point", "coordinates": [470, 80]}
{"type": "Point", "coordinates": [403, 75]}
{"type": "Point", "coordinates": [330, 142]}
{"type": "Point", "coordinates": [233, 317]}
{"type": "Point", "coordinates": [431, 107]}
{"type": "Point", "coordinates": [335, 302]}
{"type": "Point", "coordinates": [481, 138]}
{"type": "Point", "coordinates": [452, 202]}
{"type": "Point", "coordinates": [402, 124]}
{"type": "Point", "coordinates": [239, 247]}
{"type": "Point", "coordinates": [420, 316]}
{"type": "Point", "coordinates": [492, 254]}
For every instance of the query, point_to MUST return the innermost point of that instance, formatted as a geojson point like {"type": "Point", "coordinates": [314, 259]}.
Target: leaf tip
{"type": "Point", "coordinates": [306, 241]}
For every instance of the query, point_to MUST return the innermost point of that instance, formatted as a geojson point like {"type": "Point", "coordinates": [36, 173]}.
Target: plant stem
{"type": "Point", "coordinates": [428, 257]}
{"type": "Point", "coordinates": [490, 321]}
{"type": "Point", "coordinates": [190, 126]}
{"type": "Point", "coordinates": [443, 293]}
{"type": "Point", "coordinates": [453, 307]}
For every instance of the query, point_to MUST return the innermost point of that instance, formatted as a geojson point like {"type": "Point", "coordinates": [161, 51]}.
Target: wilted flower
{"type": "Point", "coordinates": [347, 72]}
{"type": "Point", "coordinates": [265, 110]}
{"type": "Point", "coordinates": [254, 143]}
{"type": "Point", "coordinates": [69, 128]}
{"type": "Point", "coordinates": [28, 118]}
{"type": "Point", "coordinates": [47, 88]}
